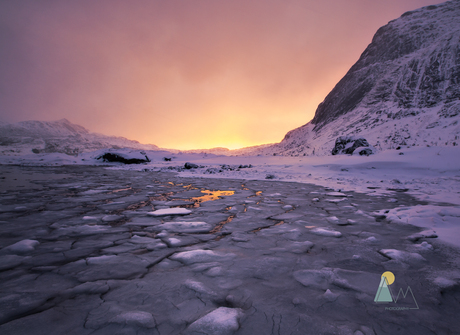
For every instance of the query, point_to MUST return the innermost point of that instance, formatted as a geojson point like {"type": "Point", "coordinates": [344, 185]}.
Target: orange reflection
{"type": "Point", "coordinates": [212, 195]}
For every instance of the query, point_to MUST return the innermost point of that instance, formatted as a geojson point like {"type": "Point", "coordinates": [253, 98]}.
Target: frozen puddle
{"type": "Point", "coordinates": [263, 257]}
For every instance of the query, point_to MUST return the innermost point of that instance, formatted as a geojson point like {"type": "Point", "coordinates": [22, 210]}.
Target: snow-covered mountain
{"type": "Point", "coordinates": [403, 91]}
{"type": "Point", "coordinates": [58, 136]}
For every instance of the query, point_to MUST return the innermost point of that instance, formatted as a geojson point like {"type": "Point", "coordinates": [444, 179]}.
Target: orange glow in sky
{"type": "Point", "coordinates": [182, 74]}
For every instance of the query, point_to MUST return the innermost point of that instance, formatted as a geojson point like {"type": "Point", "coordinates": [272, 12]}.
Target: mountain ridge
{"type": "Point", "coordinates": [60, 136]}
{"type": "Point", "coordinates": [403, 90]}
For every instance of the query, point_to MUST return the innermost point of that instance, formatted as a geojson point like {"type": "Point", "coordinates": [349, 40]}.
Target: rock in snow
{"type": "Point", "coordinates": [189, 166]}
{"type": "Point", "coordinates": [348, 145]}
{"type": "Point", "coordinates": [123, 157]}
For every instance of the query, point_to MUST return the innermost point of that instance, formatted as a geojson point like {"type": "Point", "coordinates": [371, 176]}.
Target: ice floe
{"type": "Point", "coordinates": [170, 211]}
{"type": "Point", "coordinates": [201, 256]}
{"type": "Point", "coordinates": [10, 261]}
{"type": "Point", "coordinates": [402, 256]}
{"type": "Point", "coordinates": [135, 318]}
{"type": "Point", "coordinates": [185, 227]}
{"type": "Point", "coordinates": [222, 321]}
{"type": "Point", "coordinates": [22, 247]}
{"type": "Point", "coordinates": [326, 232]}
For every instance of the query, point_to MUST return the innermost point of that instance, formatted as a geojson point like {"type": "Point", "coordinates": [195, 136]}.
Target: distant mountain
{"type": "Point", "coordinates": [58, 136]}
{"type": "Point", "coordinates": [403, 91]}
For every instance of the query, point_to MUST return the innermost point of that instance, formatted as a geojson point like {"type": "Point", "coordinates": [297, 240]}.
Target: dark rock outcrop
{"type": "Point", "coordinates": [113, 157]}
{"type": "Point", "coordinates": [348, 144]}
{"type": "Point", "coordinates": [189, 166]}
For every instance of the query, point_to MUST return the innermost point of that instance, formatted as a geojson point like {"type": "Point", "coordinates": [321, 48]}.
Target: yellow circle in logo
{"type": "Point", "coordinates": [389, 276]}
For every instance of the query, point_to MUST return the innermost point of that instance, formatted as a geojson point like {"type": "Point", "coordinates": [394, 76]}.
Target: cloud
{"type": "Point", "coordinates": [181, 73]}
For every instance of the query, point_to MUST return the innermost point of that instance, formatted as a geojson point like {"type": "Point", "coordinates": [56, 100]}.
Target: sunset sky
{"type": "Point", "coordinates": [182, 73]}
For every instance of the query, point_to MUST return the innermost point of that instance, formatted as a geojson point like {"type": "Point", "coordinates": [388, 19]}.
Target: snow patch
{"type": "Point", "coordinates": [200, 256]}
{"type": "Point", "coordinates": [170, 211]}
{"type": "Point", "coordinates": [222, 321]}
{"type": "Point", "coordinates": [326, 232]}
{"type": "Point", "coordinates": [22, 247]}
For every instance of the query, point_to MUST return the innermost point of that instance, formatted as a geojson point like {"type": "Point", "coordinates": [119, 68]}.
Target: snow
{"type": "Point", "coordinates": [222, 321]}
{"type": "Point", "coordinates": [110, 218]}
{"type": "Point", "coordinates": [22, 247]}
{"type": "Point", "coordinates": [198, 287]}
{"type": "Point", "coordinates": [431, 174]}
{"type": "Point", "coordinates": [174, 242]}
{"type": "Point", "coordinates": [336, 194]}
{"type": "Point", "coordinates": [170, 211]}
{"type": "Point", "coordinates": [200, 256]}
{"type": "Point", "coordinates": [333, 219]}
{"type": "Point", "coordinates": [444, 283]}
{"type": "Point", "coordinates": [326, 232]}
{"type": "Point", "coordinates": [402, 256]}
{"type": "Point", "coordinates": [60, 136]}
{"type": "Point", "coordinates": [441, 221]}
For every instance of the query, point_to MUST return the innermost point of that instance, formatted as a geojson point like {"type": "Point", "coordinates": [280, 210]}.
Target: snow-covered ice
{"type": "Point", "coordinates": [170, 211]}
{"type": "Point", "coordinates": [185, 227]}
{"type": "Point", "coordinates": [402, 256]}
{"type": "Point", "coordinates": [442, 221]}
{"type": "Point", "coordinates": [222, 320]}
{"type": "Point", "coordinates": [267, 251]}
{"type": "Point", "coordinates": [200, 256]}
{"type": "Point", "coordinates": [326, 232]}
{"type": "Point", "coordinates": [22, 247]}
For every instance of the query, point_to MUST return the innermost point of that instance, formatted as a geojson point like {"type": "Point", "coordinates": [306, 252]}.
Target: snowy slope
{"type": "Point", "coordinates": [403, 91]}
{"type": "Point", "coordinates": [60, 136]}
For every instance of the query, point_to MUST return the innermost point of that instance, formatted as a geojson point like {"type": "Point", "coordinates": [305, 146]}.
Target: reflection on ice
{"type": "Point", "coordinates": [212, 195]}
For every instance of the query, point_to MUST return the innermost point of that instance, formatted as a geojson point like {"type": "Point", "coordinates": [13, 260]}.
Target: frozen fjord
{"type": "Point", "coordinates": [80, 255]}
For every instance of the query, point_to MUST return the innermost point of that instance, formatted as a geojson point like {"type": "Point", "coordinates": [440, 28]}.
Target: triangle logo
{"type": "Point", "coordinates": [383, 293]}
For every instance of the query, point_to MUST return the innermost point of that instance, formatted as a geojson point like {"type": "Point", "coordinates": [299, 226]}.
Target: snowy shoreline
{"type": "Point", "coordinates": [430, 174]}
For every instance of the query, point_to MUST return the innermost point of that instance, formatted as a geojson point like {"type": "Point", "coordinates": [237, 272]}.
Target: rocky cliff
{"type": "Point", "coordinates": [403, 90]}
